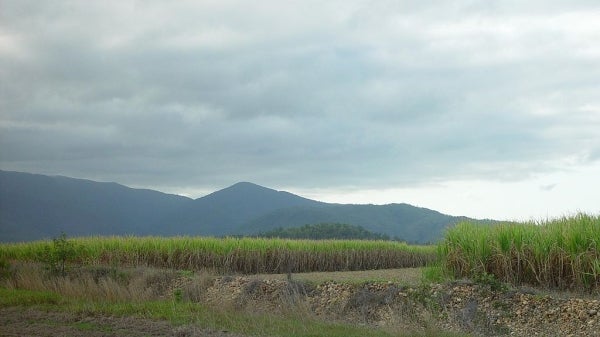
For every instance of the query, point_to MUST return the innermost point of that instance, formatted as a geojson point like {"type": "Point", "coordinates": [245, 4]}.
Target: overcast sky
{"type": "Point", "coordinates": [481, 108]}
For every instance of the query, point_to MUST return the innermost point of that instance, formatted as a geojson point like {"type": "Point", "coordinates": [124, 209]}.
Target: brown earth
{"type": "Point", "coordinates": [406, 276]}
{"type": "Point", "coordinates": [464, 306]}
{"type": "Point", "coordinates": [24, 322]}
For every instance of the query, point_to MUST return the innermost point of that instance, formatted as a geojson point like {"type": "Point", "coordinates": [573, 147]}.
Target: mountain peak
{"type": "Point", "coordinates": [242, 189]}
{"type": "Point", "coordinates": [248, 192]}
{"type": "Point", "coordinates": [246, 184]}
{"type": "Point", "coordinates": [255, 198]}
{"type": "Point", "coordinates": [242, 183]}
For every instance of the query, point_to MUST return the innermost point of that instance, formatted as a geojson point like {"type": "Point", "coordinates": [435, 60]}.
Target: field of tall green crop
{"type": "Point", "coordinates": [562, 253]}
{"type": "Point", "coordinates": [238, 255]}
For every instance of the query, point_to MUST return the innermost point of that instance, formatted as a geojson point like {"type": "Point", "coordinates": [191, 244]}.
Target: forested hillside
{"type": "Point", "coordinates": [325, 231]}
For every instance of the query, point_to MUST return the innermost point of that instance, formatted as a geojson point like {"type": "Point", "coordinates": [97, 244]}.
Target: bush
{"type": "Point", "coordinates": [5, 268]}
{"type": "Point", "coordinates": [490, 280]}
{"type": "Point", "coordinates": [59, 254]}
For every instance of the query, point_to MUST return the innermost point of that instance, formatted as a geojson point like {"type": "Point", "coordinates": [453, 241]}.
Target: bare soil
{"type": "Point", "coordinates": [25, 322]}
{"type": "Point", "coordinates": [406, 276]}
{"type": "Point", "coordinates": [461, 306]}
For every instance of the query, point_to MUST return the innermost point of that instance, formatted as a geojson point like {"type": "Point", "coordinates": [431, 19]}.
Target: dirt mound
{"type": "Point", "coordinates": [460, 306]}
{"type": "Point", "coordinates": [518, 312]}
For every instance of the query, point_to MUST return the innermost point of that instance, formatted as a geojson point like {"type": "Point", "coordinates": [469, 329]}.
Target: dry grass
{"type": "Point", "coordinates": [195, 289]}
{"type": "Point", "coordinates": [91, 284]}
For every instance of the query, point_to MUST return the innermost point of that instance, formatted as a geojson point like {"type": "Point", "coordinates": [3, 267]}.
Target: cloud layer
{"type": "Point", "coordinates": [357, 94]}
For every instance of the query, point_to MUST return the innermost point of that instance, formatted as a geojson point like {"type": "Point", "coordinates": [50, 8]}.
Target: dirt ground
{"type": "Point", "coordinates": [25, 322]}
{"type": "Point", "coordinates": [407, 276]}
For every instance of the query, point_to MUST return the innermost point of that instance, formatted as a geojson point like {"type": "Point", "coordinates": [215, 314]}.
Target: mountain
{"type": "Point", "coordinates": [227, 210]}
{"type": "Point", "coordinates": [34, 206]}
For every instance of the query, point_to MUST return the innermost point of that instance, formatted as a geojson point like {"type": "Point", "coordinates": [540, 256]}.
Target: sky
{"type": "Point", "coordinates": [489, 109]}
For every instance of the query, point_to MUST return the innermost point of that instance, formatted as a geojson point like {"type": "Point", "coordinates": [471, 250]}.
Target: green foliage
{"type": "Point", "coordinates": [561, 253]}
{"type": "Point", "coordinates": [178, 295]}
{"type": "Point", "coordinates": [59, 254]}
{"type": "Point", "coordinates": [5, 268]}
{"type": "Point", "coordinates": [435, 273]}
{"type": "Point", "coordinates": [325, 231]}
{"type": "Point", "coordinates": [12, 297]}
{"type": "Point", "coordinates": [88, 326]}
{"type": "Point", "coordinates": [186, 273]}
{"type": "Point", "coordinates": [489, 280]}
{"type": "Point", "coordinates": [236, 255]}
{"type": "Point", "coordinates": [422, 294]}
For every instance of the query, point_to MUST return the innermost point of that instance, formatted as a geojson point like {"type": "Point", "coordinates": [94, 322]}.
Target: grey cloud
{"type": "Point", "coordinates": [360, 95]}
{"type": "Point", "coordinates": [548, 187]}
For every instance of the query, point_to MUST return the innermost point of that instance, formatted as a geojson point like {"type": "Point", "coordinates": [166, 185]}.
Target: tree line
{"type": "Point", "coordinates": [325, 231]}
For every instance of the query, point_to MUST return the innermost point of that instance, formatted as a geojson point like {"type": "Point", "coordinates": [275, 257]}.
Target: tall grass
{"type": "Point", "coordinates": [239, 255]}
{"type": "Point", "coordinates": [562, 253]}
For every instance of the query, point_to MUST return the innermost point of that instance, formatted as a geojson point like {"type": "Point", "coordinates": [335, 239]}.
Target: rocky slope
{"type": "Point", "coordinates": [478, 309]}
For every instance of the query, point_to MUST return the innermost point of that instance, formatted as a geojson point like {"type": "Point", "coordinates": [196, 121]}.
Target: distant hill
{"type": "Point", "coordinates": [228, 210]}
{"type": "Point", "coordinates": [34, 206]}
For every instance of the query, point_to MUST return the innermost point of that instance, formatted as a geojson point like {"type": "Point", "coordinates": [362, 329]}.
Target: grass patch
{"type": "Point", "coordinates": [562, 253]}
{"type": "Point", "coordinates": [18, 297]}
{"type": "Point", "coordinates": [88, 326]}
{"type": "Point", "coordinates": [435, 273]}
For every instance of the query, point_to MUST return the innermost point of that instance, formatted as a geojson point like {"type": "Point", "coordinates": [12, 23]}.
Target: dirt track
{"type": "Point", "coordinates": [17, 321]}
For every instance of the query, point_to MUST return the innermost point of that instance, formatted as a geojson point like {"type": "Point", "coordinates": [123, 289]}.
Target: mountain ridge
{"type": "Point", "coordinates": [35, 206]}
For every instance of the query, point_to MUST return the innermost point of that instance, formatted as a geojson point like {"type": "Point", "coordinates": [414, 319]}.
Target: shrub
{"type": "Point", "coordinates": [59, 254]}
{"type": "Point", "coordinates": [5, 268]}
